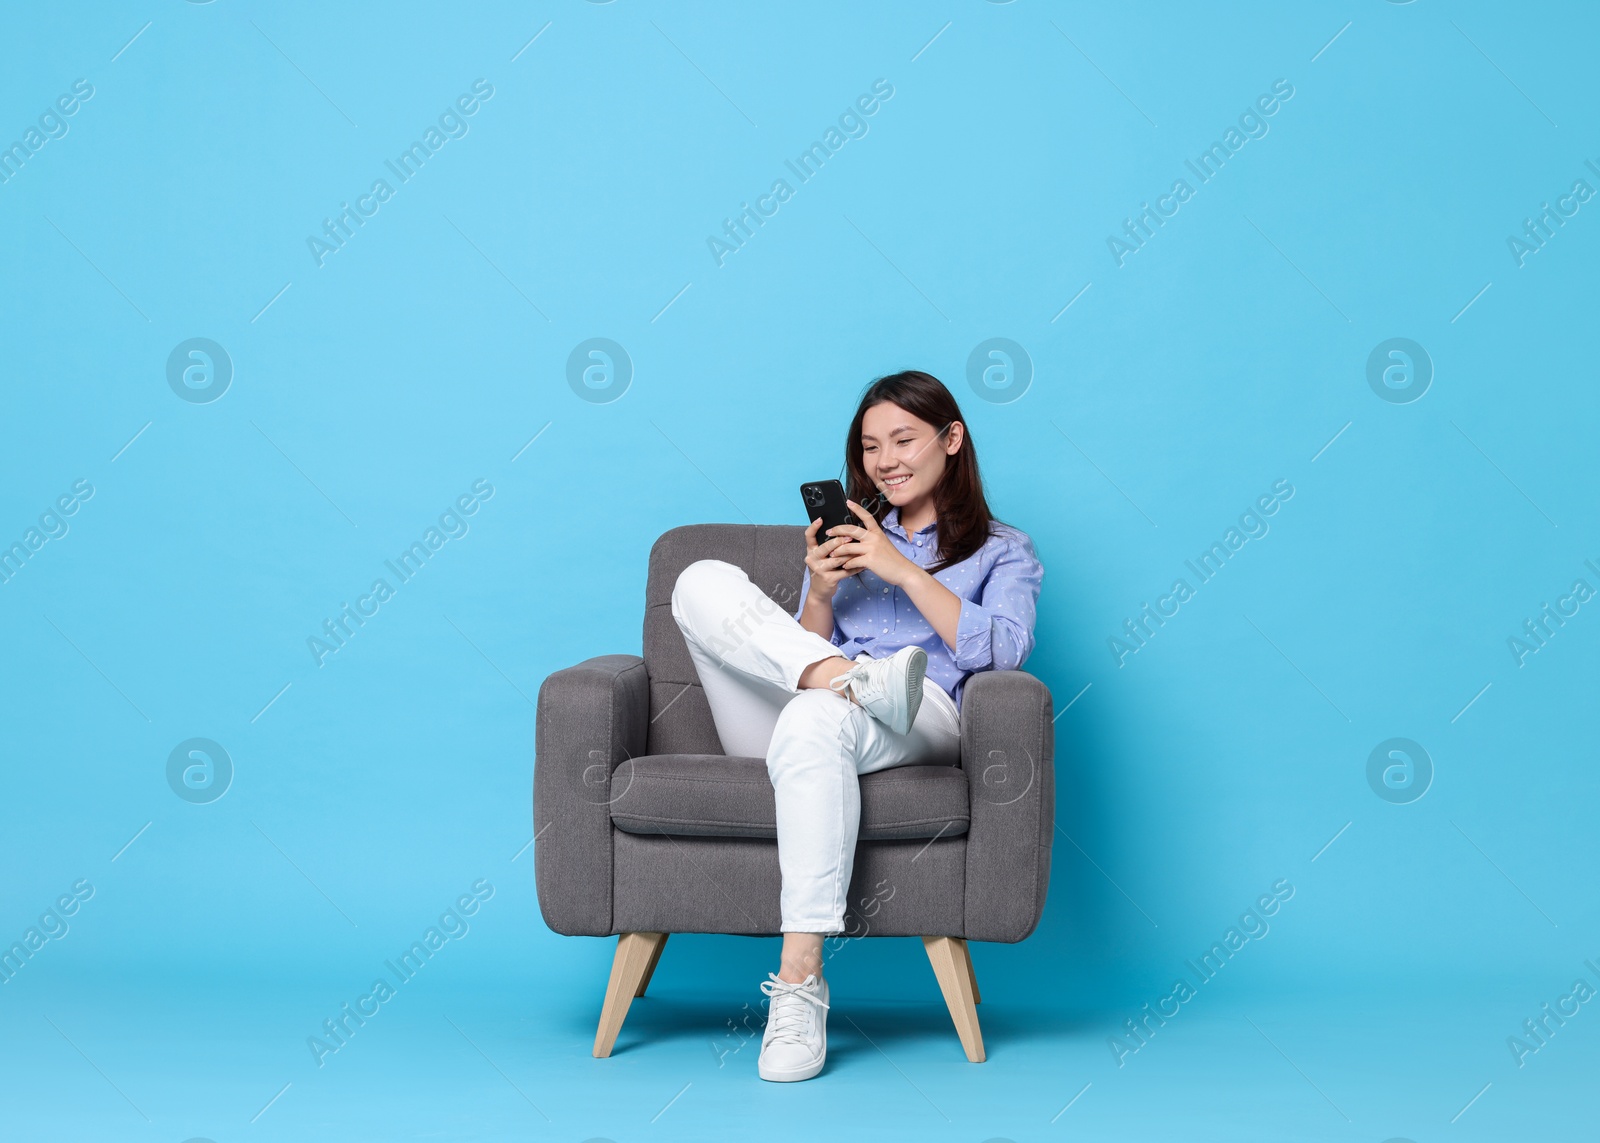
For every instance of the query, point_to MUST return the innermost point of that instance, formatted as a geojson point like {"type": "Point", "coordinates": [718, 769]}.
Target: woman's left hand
{"type": "Point", "coordinates": [868, 546]}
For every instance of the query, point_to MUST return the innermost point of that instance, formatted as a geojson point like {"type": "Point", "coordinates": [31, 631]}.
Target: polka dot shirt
{"type": "Point", "coordinates": [999, 588]}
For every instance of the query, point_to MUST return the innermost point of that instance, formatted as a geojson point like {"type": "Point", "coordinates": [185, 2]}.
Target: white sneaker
{"type": "Point", "coordinates": [795, 1043]}
{"type": "Point", "coordinates": [890, 689]}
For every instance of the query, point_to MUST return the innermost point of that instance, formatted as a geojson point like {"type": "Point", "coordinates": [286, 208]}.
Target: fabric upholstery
{"type": "Point", "coordinates": [715, 795]}
{"type": "Point", "coordinates": [625, 748]}
{"type": "Point", "coordinates": [1007, 749]}
{"type": "Point", "coordinates": [590, 718]}
{"type": "Point", "coordinates": [730, 885]}
{"type": "Point", "coordinates": [774, 559]}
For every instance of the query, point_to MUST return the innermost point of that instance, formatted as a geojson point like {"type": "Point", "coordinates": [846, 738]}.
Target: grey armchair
{"type": "Point", "coordinates": [645, 827]}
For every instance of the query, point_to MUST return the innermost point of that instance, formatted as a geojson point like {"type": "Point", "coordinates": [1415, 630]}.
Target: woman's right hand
{"type": "Point", "coordinates": [827, 571]}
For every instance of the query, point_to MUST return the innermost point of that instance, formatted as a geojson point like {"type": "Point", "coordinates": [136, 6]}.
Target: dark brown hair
{"type": "Point", "coordinates": [962, 511]}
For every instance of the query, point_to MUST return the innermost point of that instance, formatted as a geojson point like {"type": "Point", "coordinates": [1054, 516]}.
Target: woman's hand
{"type": "Point", "coordinates": [826, 568]}
{"type": "Point", "coordinates": [868, 546]}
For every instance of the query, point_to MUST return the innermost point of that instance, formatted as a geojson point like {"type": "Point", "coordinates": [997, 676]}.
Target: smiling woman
{"type": "Point", "coordinates": [913, 470]}
{"type": "Point", "coordinates": [897, 612]}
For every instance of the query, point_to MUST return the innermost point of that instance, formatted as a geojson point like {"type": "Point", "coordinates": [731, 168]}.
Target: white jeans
{"type": "Point", "coordinates": [750, 653]}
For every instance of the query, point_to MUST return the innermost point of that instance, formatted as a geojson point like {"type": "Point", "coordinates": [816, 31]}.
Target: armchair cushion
{"type": "Point", "coordinates": [714, 795]}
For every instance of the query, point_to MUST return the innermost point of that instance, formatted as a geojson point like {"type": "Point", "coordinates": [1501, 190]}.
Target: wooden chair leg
{"type": "Point", "coordinates": [948, 955]}
{"type": "Point", "coordinates": [628, 967]}
{"type": "Point", "coordinates": [972, 973]}
{"type": "Point", "coordinates": [650, 969]}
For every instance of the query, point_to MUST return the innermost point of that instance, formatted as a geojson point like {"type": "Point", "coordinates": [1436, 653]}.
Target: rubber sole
{"type": "Point", "coordinates": [915, 670]}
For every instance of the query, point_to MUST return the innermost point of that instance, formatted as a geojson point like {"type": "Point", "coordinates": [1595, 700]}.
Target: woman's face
{"type": "Point", "coordinates": [903, 454]}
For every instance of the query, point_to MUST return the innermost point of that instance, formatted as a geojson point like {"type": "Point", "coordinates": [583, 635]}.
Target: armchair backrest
{"type": "Point", "coordinates": [772, 555]}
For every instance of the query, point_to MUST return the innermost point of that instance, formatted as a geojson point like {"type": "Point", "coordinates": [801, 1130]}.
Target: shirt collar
{"type": "Point", "coordinates": [891, 519]}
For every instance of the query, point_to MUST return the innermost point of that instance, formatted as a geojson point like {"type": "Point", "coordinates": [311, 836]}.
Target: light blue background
{"type": "Point", "coordinates": [374, 389]}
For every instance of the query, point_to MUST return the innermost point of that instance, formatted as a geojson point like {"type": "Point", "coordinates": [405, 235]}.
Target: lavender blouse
{"type": "Point", "coordinates": [999, 588]}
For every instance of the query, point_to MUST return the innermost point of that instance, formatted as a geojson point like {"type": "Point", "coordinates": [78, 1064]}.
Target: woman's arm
{"type": "Point", "coordinates": [940, 606]}
{"type": "Point", "coordinates": [816, 613]}
{"type": "Point", "coordinates": [824, 573]}
{"type": "Point", "coordinates": [817, 617]}
{"type": "Point", "coordinates": [996, 631]}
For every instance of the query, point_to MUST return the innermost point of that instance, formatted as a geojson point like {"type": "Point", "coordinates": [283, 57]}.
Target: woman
{"type": "Point", "coordinates": [896, 612]}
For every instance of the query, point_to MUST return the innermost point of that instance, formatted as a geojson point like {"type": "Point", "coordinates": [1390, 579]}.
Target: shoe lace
{"type": "Point", "coordinates": [855, 675]}
{"type": "Point", "coordinates": [787, 1015]}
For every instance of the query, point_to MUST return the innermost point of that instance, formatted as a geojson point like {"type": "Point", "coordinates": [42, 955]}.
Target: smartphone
{"type": "Point", "coordinates": [825, 498]}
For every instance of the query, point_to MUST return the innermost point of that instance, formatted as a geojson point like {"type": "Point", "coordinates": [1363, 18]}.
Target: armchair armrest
{"type": "Point", "coordinates": [1008, 752]}
{"type": "Point", "coordinates": [590, 718]}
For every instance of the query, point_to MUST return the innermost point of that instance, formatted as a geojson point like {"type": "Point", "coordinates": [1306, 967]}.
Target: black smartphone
{"type": "Point", "coordinates": [825, 498]}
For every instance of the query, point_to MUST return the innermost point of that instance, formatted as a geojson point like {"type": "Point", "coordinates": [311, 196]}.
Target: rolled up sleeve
{"type": "Point", "coordinates": [995, 631]}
